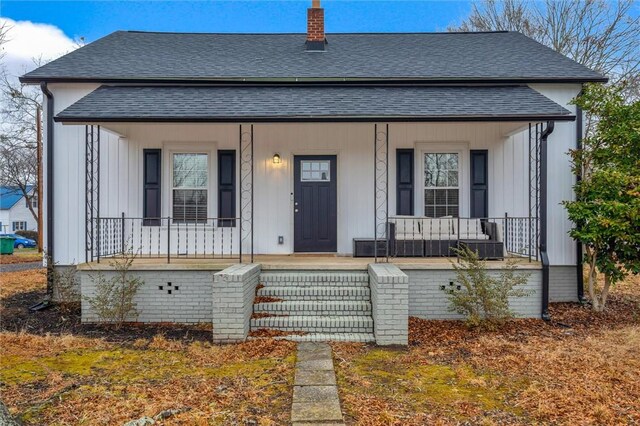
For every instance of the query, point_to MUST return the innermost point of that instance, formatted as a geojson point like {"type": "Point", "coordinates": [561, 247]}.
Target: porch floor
{"type": "Point", "coordinates": [302, 262]}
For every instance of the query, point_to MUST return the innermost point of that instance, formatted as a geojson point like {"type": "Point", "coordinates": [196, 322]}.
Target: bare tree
{"type": "Point", "coordinates": [4, 28]}
{"type": "Point", "coordinates": [19, 114]}
{"type": "Point", "coordinates": [602, 35]}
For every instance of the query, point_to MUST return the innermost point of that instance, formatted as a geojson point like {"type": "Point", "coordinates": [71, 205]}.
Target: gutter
{"type": "Point", "coordinates": [235, 81]}
{"type": "Point", "coordinates": [310, 119]}
{"type": "Point", "coordinates": [579, 248]}
{"type": "Point", "coordinates": [50, 164]}
{"type": "Point", "coordinates": [544, 256]}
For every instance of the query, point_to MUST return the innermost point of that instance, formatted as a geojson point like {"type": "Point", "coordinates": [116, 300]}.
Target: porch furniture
{"type": "Point", "coordinates": [487, 249]}
{"type": "Point", "coordinates": [364, 247]}
{"type": "Point", "coordinates": [415, 236]}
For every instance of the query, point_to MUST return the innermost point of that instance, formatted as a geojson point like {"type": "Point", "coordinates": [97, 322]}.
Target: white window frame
{"type": "Point", "coordinates": [455, 147]}
{"type": "Point", "coordinates": [329, 177]}
{"type": "Point", "coordinates": [23, 226]}
{"type": "Point", "coordinates": [207, 187]}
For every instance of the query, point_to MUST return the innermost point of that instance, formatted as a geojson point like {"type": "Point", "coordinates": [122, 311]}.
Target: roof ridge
{"type": "Point", "coordinates": [327, 33]}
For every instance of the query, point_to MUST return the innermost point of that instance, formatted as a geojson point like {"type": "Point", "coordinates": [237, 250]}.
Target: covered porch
{"type": "Point", "coordinates": [299, 262]}
{"type": "Point", "coordinates": [382, 214]}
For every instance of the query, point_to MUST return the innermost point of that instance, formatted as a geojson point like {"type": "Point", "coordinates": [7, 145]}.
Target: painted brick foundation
{"type": "Point", "coordinates": [234, 291]}
{"type": "Point", "coordinates": [563, 284]}
{"type": "Point", "coordinates": [427, 300]}
{"type": "Point", "coordinates": [390, 303]}
{"type": "Point", "coordinates": [186, 300]}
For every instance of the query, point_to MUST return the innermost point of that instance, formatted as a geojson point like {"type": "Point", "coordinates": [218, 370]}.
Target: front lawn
{"type": "Point", "coordinates": [25, 255]}
{"type": "Point", "coordinates": [583, 368]}
{"type": "Point", "coordinates": [55, 371]}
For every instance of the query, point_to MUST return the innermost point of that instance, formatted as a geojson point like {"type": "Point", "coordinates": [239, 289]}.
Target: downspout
{"type": "Point", "coordinates": [579, 253]}
{"type": "Point", "coordinates": [543, 219]}
{"type": "Point", "coordinates": [47, 93]}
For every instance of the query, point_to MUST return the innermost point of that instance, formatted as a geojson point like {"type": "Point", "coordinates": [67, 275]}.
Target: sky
{"type": "Point", "coordinates": [50, 29]}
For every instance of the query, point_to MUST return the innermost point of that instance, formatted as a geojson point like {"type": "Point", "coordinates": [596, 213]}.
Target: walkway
{"type": "Point", "coordinates": [315, 394]}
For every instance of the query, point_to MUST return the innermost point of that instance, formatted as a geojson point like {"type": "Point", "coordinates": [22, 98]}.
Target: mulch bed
{"type": "Point", "coordinates": [58, 320]}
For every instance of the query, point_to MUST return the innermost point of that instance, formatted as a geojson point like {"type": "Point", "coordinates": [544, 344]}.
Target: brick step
{"type": "Point", "coordinates": [316, 293]}
{"type": "Point", "coordinates": [304, 279]}
{"type": "Point", "coordinates": [316, 324]}
{"type": "Point", "coordinates": [330, 337]}
{"type": "Point", "coordinates": [314, 308]}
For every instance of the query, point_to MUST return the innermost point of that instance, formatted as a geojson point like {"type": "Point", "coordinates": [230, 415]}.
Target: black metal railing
{"type": "Point", "coordinates": [491, 237]}
{"type": "Point", "coordinates": [166, 237]}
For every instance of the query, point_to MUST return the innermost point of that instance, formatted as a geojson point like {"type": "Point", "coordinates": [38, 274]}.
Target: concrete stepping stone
{"type": "Point", "coordinates": [315, 394]}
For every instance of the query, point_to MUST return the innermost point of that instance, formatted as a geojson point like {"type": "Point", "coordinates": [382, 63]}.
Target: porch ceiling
{"type": "Point", "coordinates": [312, 104]}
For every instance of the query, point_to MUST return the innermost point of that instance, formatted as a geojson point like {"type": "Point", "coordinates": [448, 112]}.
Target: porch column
{"type": "Point", "coordinates": [92, 192]}
{"type": "Point", "coordinates": [381, 188]}
{"type": "Point", "coordinates": [245, 145]}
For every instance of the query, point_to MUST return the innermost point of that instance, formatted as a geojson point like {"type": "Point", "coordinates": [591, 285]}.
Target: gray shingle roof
{"type": "Point", "coordinates": [431, 56]}
{"type": "Point", "coordinates": [229, 104]}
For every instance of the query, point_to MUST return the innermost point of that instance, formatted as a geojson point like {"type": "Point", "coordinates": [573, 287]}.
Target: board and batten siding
{"type": "Point", "coordinates": [123, 144]}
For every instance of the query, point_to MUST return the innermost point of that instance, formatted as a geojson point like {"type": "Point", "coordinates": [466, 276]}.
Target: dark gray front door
{"type": "Point", "coordinates": [315, 203]}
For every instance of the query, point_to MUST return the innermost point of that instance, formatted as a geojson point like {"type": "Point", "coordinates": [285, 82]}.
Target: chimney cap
{"type": "Point", "coordinates": [315, 4]}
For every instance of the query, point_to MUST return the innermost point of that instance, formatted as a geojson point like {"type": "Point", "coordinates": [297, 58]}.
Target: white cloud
{"type": "Point", "coordinates": [28, 41]}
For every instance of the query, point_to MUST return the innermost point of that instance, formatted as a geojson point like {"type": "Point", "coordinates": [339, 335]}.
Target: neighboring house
{"type": "Point", "coordinates": [14, 211]}
{"type": "Point", "coordinates": [372, 154]}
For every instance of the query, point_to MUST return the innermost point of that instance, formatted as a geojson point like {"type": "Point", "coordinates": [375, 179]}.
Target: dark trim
{"type": "Point", "coordinates": [579, 248]}
{"type": "Point", "coordinates": [152, 218]}
{"type": "Point", "coordinates": [405, 186]}
{"type": "Point", "coordinates": [484, 153]}
{"type": "Point", "coordinates": [227, 184]}
{"type": "Point", "coordinates": [313, 119]}
{"type": "Point", "coordinates": [543, 219]}
{"type": "Point", "coordinates": [50, 190]}
{"type": "Point", "coordinates": [311, 80]}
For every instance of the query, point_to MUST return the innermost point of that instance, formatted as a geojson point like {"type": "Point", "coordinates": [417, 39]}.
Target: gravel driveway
{"type": "Point", "coordinates": [14, 267]}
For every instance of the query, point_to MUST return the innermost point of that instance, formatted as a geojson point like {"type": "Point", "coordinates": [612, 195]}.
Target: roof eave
{"type": "Point", "coordinates": [25, 79]}
{"type": "Point", "coordinates": [316, 119]}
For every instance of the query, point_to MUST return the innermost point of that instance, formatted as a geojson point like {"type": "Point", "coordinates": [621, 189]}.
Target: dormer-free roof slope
{"type": "Point", "coordinates": [432, 57]}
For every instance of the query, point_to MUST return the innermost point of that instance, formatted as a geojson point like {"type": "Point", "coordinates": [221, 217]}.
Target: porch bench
{"type": "Point", "coordinates": [415, 236]}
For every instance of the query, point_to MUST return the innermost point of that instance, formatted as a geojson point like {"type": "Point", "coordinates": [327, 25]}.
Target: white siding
{"type": "Point", "coordinates": [18, 213]}
{"type": "Point", "coordinates": [121, 165]}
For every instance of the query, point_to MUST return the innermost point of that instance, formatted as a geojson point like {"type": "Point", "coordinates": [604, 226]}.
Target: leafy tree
{"type": "Point", "coordinates": [606, 213]}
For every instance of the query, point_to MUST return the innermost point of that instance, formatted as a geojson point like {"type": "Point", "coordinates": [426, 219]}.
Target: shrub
{"type": "Point", "coordinates": [65, 283]}
{"type": "Point", "coordinates": [481, 297]}
{"type": "Point", "coordinates": [113, 299]}
{"type": "Point", "coordinates": [32, 235]}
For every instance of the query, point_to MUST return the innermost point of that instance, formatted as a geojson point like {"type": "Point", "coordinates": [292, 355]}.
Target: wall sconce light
{"type": "Point", "coordinates": [277, 159]}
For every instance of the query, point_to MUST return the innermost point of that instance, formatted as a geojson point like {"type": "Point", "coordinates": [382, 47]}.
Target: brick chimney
{"type": "Point", "coordinates": [315, 27]}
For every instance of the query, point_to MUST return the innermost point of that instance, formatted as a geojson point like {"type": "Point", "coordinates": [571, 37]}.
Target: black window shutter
{"type": "Point", "coordinates": [404, 182]}
{"type": "Point", "coordinates": [226, 187]}
{"type": "Point", "coordinates": [479, 183]}
{"type": "Point", "coordinates": [151, 187]}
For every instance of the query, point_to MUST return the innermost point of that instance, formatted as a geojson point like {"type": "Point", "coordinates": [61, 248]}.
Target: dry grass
{"type": "Point", "coordinates": [12, 283]}
{"type": "Point", "coordinates": [21, 256]}
{"type": "Point", "coordinates": [581, 369]}
{"type": "Point", "coordinates": [68, 380]}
